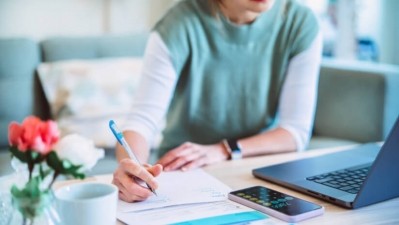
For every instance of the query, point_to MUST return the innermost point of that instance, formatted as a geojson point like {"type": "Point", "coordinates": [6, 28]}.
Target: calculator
{"type": "Point", "coordinates": [274, 203]}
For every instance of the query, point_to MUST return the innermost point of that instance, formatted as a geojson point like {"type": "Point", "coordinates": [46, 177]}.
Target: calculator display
{"type": "Point", "coordinates": [278, 201]}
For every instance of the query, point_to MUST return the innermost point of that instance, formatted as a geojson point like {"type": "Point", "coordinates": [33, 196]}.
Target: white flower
{"type": "Point", "coordinates": [79, 151]}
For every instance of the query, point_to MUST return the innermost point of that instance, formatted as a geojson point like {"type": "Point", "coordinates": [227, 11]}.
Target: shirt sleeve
{"type": "Point", "coordinates": [154, 92]}
{"type": "Point", "coordinates": [297, 101]}
{"type": "Point", "coordinates": [299, 93]}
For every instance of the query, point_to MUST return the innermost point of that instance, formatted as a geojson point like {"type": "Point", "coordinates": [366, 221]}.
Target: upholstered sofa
{"type": "Point", "coordinates": [357, 102]}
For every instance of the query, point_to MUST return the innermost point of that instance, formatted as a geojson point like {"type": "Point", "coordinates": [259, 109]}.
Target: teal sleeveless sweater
{"type": "Point", "coordinates": [229, 76]}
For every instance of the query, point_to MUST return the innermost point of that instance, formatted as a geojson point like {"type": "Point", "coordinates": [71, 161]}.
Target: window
{"type": "Point", "coordinates": [358, 29]}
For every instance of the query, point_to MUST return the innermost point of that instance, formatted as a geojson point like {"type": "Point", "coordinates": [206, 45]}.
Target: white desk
{"type": "Point", "coordinates": [238, 174]}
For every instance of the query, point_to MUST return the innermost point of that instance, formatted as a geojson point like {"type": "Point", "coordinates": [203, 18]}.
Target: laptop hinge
{"type": "Point", "coordinates": [382, 181]}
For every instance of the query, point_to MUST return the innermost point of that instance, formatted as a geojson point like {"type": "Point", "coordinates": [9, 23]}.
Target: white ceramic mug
{"type": "Point", "coordinates": [87, 203]}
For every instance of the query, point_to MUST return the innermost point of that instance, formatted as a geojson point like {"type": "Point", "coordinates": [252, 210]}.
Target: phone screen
{"type": "Point", "coordinates": [278, 201]}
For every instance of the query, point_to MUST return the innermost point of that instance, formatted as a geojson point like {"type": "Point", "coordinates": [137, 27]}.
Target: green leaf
{"type": "Point", "coordinates": [22, 156]}
{"type": "Point", "coordinates": [37, 157]}
{"type": "Point", "coordinates": [17, 193]}
{"type": "Point", "coordinates": [43, 173]}
{"type": "Point", "coordinates": [64, 167]}
{"type": "Point", "coordinates": [32, 187]}
{"type": "Point", "coordinates": [66, 164]}
{"type": "Point", "coordinates": [74, 171]}
{"type": "Point", "coordinates": [54, 162]}
{"type": "Point", "coordinates": [30, 201]}
{"type": "Point", "coordinates": [34, 155]}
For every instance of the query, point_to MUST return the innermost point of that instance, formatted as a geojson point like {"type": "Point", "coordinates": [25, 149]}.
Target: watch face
{"type": "Point", "coordinates": [236, 155]}
{"type": "Point", "coordinates": [235, 149]}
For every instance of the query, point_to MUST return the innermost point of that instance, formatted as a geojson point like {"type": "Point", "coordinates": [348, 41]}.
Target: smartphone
{"type": "Point", "coordinates": [285, 207]}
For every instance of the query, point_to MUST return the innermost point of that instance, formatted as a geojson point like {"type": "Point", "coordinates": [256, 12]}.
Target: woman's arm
{"type": "Point", "coordinates": [296, 114]}
{"type": "Point", "coordinates": [149, 107]}
{"type": "Point", "coordinates": [296, 108]}
{"type": "Point", "coordinates": [148, 110]}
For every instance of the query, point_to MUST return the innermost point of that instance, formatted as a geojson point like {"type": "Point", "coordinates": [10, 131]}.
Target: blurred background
{"type": "Point", "coordinates": [353, 29]}
{"type": "Point", "coordinates": [359, 76]}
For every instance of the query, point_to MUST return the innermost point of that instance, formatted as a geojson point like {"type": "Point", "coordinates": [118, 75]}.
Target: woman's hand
{"type": "Point", "coordinates": [190, 155]}
{"type": "Point", "coordinates": [129, 178]}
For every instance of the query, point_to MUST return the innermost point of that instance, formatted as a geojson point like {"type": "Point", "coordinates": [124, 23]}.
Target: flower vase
{"type": "Point", "coordinates": [38, 164]}
{"type": "Point", "coordinates": [39, 210]}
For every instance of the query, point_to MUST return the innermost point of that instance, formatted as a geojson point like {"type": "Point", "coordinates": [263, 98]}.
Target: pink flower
{"type": "Point", "coordinates": [14, 136]}
{"type": "Point", "coordinates": [33, 134]}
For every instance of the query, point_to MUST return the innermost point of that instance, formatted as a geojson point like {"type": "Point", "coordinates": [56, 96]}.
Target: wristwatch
{"type": "Point", "coordinates": [234, 148]}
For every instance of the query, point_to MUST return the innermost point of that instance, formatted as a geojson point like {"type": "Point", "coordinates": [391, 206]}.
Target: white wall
{"type": "Point", "coordinates": [136, 15]}
{"type": "Point", "coordinates": [389, 32]}
{"type": "Point", "coordinates": [381, 22]}
{"type": "Point", "coordinates": [40, 19]}
{"type": "Point", "coordinates": [368, 17]}
{"type": "Point", "coordinates": [376, 19]}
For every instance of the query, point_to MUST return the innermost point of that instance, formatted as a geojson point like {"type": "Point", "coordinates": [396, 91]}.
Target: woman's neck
{"type": "Point", "coordinates": [237, 15]}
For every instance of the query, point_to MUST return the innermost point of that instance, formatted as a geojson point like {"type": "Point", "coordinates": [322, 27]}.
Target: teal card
{"type": "Point", "coordinates": [226, 219]}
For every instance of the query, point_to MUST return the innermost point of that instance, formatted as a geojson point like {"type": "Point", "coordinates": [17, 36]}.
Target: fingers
{"type": "Point", "coordinates": [180, 162]}
{"type": "Point", "coordinates": [179, 157]}
{"type": "Point", "coordinates": [175, 153]}
{"type": "Point", "coordinates": [138, 171]}
{"type": "Point", "coordinates": [195, 164]}
{"type": "Point", "coordinates": [155, 170]}
{"type": "Point", "coordinates": [129, 189]}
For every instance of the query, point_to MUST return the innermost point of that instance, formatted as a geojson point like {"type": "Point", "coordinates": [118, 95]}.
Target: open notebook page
{"type": "Point", "coordinates": [179, 188]}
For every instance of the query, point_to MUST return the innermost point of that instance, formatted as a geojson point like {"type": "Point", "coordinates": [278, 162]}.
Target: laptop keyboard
{"type": "Point", "coordinates": [349, 180]}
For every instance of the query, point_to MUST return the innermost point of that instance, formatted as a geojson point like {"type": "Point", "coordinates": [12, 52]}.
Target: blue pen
{"type": "Point", "coordinates": [125, 145]}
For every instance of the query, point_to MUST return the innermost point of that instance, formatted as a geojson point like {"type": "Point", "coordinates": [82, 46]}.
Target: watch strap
{"type": "Point", "coordinates": [234, 148]}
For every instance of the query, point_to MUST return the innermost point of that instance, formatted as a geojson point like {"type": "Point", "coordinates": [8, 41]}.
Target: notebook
{"type": "Point", "coordinates": [354, 178]}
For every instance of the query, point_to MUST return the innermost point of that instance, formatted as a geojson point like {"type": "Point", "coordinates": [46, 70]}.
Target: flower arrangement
{"type": "Point", "coordinates": [37, 144]}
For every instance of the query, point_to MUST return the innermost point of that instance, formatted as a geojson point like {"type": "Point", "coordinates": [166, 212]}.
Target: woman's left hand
{"type": "Point", "coordinates": [190, 155]}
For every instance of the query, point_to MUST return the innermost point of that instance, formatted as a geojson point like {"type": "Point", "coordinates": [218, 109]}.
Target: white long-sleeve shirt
{"type": "Point", "coordinates": [297, 102]}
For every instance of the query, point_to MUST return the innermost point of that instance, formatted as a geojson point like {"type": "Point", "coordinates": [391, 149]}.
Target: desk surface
{"type": "Point", "coordinates": [237, 175]}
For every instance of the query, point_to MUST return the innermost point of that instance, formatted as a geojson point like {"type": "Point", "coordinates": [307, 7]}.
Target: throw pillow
{"type": "Point", "coordinates": [85, 94]}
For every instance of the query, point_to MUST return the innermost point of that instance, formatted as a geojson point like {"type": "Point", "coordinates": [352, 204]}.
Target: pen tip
{"type": "Point", "coordinates": [153, 191]}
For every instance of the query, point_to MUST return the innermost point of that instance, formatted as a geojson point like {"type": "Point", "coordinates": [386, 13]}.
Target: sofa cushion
{"type": "Point", "coordinates": [18, 60]}
{"type": "Point", "coordinates": [55, 49]}
{"type": "Point", "coordinates": [355, 101]}
{"type": "Point", "coordinates": [85, 94]}
{"type": "Point", "coordinates": [328, 142]}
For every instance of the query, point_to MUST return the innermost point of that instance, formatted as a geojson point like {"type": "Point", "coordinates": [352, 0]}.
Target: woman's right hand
{"type": "Point", "coordinates": [129, 178]}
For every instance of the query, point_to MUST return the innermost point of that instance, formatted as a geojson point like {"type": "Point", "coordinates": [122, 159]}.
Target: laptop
{"type": "Point", "coordinates": [352, 179]}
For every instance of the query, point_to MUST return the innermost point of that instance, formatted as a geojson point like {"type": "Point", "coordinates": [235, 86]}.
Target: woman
{"type": "Point", "coordinates": [235, 78]}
